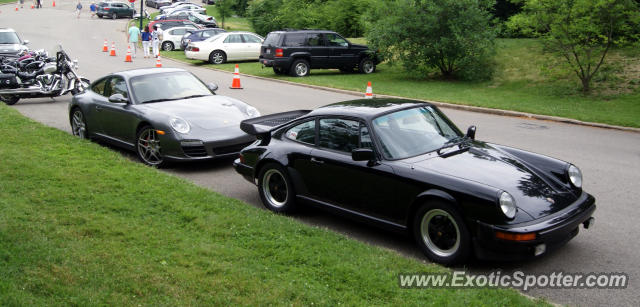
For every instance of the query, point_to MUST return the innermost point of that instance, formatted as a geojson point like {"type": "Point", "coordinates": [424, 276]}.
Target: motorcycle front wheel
{"type": "Point", "coordinates": [9, 99]}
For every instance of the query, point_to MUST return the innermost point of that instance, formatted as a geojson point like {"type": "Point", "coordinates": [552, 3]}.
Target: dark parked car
{"type": "Point", "coordinates": [298, 51]}
{"type": "Point", "coordinates": [163, 114]}
{"type": "Point", "coordinates": [115, 10]}
{"type": "Point", "coordinates": [403, 165]}
{"type": "Point", "coordinates": [199, 35]}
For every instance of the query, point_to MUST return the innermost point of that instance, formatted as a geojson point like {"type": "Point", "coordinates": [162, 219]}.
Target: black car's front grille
{"type": "Point", "coordinates": [230, 149]}
{"type": "Point", "coordinates": [195, 151]}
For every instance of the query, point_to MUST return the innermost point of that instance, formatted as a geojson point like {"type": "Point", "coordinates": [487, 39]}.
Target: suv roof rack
{"type": "Point", "coordinates": [305, 29]}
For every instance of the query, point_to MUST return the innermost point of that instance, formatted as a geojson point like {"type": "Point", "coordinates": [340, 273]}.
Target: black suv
{"type": "Point", "coordinates": [297, 51]}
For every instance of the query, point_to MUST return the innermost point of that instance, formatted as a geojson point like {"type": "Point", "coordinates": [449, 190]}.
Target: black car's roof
{"type": "Point", "coordinates": [145, 71]}
{"type": "Point", "coordinates": [303, 31]}
{"type": "Point", "coordinates": [366, 108]}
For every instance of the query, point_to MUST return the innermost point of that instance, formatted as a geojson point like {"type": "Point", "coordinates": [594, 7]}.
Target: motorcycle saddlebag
{"type": "Point", "coordinates": [8, 81]}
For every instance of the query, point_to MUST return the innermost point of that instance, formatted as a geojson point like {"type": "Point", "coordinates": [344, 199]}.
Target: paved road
{"type": "Point", "coordinates": [609, 159]}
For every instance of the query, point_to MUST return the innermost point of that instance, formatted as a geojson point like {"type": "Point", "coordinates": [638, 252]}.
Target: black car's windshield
{"type": "Point", "coordinates": [9, 38]}
{"type": "Point", "coordinates": [415, 131]}
{"type": "Point", "coordinates": [167, 86]}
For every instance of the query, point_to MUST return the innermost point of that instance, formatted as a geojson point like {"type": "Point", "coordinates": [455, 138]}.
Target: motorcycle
{"type": "Point", "coordinates": [52, 78]}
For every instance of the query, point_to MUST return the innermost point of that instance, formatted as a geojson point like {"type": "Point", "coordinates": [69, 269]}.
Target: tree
{"type": "Point", "coordinates": [452, 36]}
{"type": "Point", "coordinates": [582, 32]}
{"type": "Point", "coordinates": [224, 9]}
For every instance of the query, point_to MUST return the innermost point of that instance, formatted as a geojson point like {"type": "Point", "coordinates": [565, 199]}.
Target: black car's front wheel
{"type": "Point", "coordinates": [276, 190]}
{"type": "Point", "coordinates": [299, 68]}
{"type": "Point", "coordinates": [367, 66]}
{"type": "Point", "coordinates": [10, 99]}
{"type": "Point", "coordinates": [148, 147]}
{"type": "Point", "coordinates": [78, 124]}
{"type": "Point", "coordinates": [441, 233]}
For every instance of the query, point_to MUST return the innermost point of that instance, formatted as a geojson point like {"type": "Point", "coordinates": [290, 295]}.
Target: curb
{"type": "Point", "coordinates": [509, 113]}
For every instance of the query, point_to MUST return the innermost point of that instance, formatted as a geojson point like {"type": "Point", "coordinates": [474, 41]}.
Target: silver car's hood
{"type": "Point", "coordinates": [11, 48]}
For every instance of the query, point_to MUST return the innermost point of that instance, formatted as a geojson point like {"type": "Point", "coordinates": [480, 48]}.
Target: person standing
{"type": "Point", "coordinates": [21, 4]}
{"type": "Point", "coordinates": [93, 9]}
{"type": "Point", "coordinates": [79, 8]}
{"type": "Point", "coordinates": [38, 3]}
{"type": "Point", "coordinates": [156, 37]}
{"type": "Point", "coordinates": [146, 41]}
{"type": "Point", "coordinates": [132, 37]}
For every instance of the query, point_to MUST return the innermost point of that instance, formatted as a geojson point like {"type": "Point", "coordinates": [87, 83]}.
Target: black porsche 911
{"type": "Point", "coordinates": [164, 114]}
{"type": "Point", "coordinates": [403, 165]}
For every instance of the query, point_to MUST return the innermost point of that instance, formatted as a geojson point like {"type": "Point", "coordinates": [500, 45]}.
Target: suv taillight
{"type": "Point", "coordinates": [279, 52]}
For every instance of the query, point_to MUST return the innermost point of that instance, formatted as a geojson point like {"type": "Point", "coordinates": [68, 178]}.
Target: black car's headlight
{"type": "Point", "coordinates": [507, 205]}
{"type": "Point", "coordinates": [179, 125]}
{"type": "Point", "coordinates": [252, 112]}
{"type": "Point", "coordinates": [575, 176]}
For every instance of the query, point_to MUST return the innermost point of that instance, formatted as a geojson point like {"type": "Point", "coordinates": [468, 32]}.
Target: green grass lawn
{"type": "Point", "coordinates": [520, 84]}
{"type": "Point", "coordinates": [82, 225]}
{"type": "Point", "coordinates": [230, 23]}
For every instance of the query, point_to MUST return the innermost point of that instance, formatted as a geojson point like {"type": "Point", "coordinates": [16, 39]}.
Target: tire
{"type": "Point", "coordinates": [366, 66]}
{"type": "Point", "coordinates": [273, 178]}
{"type": "Point", "coordinates": [299, 68]}
{"type": "Point", "coordinates": [279, 70]}
{"type": "Point", "coordinates": [114, 16]}
{"type": "Point", "coordinates": [167, 46]}
{"type": "Point", "coordinates": [441, 233]}
{"type": "Point", "coordinates": [148, 147]}
{"type": "Point", "coordinates": [79, 124]}
{"type": "Point", "coordinates": [80, 87]}
{"type": "Point", "coordinates": [9, 99]}
{"type": "Point", "coordinates": [217, 57]}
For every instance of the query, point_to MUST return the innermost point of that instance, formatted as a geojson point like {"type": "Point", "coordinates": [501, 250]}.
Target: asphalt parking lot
{"type": "Point", "coordinates": [609, 159]}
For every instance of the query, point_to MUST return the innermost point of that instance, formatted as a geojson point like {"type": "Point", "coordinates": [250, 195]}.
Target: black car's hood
{"type": "Point", "coordinates": [358, 46]}
{"type": "Point", "coordinates": [535, 193]}
{"type": "Point", "coordinates": [208, 113]}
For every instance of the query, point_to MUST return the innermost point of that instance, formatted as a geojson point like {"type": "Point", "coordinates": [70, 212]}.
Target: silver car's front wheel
{"type": "Point", "coordinates": [148, 147]}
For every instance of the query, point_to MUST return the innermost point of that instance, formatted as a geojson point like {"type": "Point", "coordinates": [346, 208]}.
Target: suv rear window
{"type": "Point", "coordinates": [294, 40]}
{"type": "Point", "coordinates": [272, 39]}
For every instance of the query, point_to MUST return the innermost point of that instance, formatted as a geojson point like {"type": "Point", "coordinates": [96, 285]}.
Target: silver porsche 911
{"type": "Point", "coordinates": [163, 114]}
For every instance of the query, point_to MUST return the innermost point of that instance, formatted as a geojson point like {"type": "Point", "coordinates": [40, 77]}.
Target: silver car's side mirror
{"type": "Point", "coordinates": [118, 98]}
{"type": "Point", "coordinates": [212, 87]}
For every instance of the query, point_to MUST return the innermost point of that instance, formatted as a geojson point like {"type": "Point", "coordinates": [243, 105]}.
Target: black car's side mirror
{"type": "Point", "coordinates": [471, 132]}
{"type": "Point", "coordinates": [118, 98]}
{"type": "Point", "coordinates": [362, 154]}
{"type": "Point", "coordinates": [212, 87]}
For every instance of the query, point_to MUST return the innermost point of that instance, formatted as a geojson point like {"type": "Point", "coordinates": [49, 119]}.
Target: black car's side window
{"type": "Point", "coordinates": [315, 40]}
{"type": "Point", "coordinates": [294, 40]}
{"type": "Point", "coordinates": [118, 86]}
{"type": "Point", "coordinates": [339, 134]}
{"type": "Point", "coordinates": [98, 87]}
{"type": "Point", "coordinates": [305, 132]}
{"type": "Point", "coordinates": [365, 137]}
{"type": "Point", "coordinates": [335, 40]}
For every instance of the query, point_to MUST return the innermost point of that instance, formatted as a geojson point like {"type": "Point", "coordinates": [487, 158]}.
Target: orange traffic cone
{"type": "Point", "coordinates": [236, 79]}
{"type": "Point", "coordinates": [113, 49]}
{"type": "Point", "coordinates": [105, 47]}
{"type": "Point", "coordinates": [54, 3]}
{"type": "Point", "coordinates": [32, 6]}
{"type": "Point", "coordinates": [127, 57]}
{"type": "Point", "coordinates": [158, 62]}
{"type": "Point", "coordinates": [369, 93]}
{"type": "Point", "coordinates": [16, 7]}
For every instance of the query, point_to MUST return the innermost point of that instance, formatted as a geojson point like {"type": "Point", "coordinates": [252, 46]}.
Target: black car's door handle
{"type": "Point", "coordinates": [316, 161]}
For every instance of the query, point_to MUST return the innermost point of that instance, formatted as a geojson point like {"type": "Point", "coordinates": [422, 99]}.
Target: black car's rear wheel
{"type": "Point", "coordinates": [114, 16]}
{"type": "Point", "coordinates": [217, 57]}
{"type": "Point", "coordinates": [299, 68]}
{"type": "Point", "coordinates": [367, 66]}
{"type": "Point", "coordinates": [148, 147]}
{"type": "Point", "coordinates": [441, 233]}
{"type": "Point", "coordinates": [276, 190]}
{"type": "Point", "coordinates": [9, 99]}
{"type": "Point", "coordinates": [78, 124]}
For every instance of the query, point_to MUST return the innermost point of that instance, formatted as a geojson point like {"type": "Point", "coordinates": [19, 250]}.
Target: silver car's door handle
{"type": "Point", "coordinates": [316, 161]}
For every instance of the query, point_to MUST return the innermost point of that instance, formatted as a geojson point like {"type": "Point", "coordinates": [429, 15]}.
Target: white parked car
{"type": "Point", "coordinates": [227, 46]}
{"type": "Point", "coordinates": [186, 7]}
{"type": "Point", "coordinates": [171, 37]}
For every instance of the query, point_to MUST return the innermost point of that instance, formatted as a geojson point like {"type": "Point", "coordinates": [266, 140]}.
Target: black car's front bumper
{"type": "Point", "coordinates": [551, 232]}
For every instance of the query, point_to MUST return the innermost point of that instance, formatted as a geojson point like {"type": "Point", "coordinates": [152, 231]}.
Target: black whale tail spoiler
{"type": "Point", "coordinates": [262, 126]}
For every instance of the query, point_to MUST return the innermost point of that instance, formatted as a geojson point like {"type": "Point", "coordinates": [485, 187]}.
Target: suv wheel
{"type": "Point", "coordinates": [300, 68]}
{"type": "Point", "coordinates": [367, 66]}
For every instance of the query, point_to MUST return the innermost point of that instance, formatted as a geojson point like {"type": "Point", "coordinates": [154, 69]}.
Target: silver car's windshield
{"type": "Point", "coordinates": [412, 132]}
{"type": "Point", "coordinates": [9, 38]}
{"type": "Point", "coordinates": [167, 86]}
